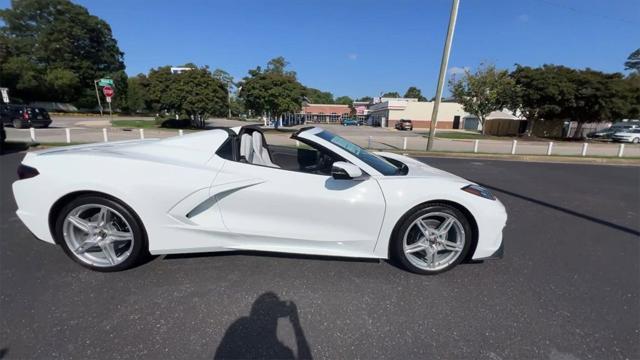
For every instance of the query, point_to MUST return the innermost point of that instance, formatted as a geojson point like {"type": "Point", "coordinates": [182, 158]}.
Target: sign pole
{"type": "Point", "coordinates": [443, 72]}
{"type": "Point", "coordinates": [110, 115]}
{"type": "Point", "coordinates": [95, 83]}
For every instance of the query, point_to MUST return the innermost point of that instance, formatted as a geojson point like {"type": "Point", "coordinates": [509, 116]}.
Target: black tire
{"type": "Point", "coordinates": [17, 123]}
{"type": "Point", "coordinates": [396, 248]}
{"type": "Point", "coordinates": [139, 251]}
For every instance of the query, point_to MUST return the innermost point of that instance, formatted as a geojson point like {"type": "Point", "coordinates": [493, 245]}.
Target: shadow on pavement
{"type": "Point", "coordinates": [255, 336]}
{"type": "Point", "coordinates": [566, 211]}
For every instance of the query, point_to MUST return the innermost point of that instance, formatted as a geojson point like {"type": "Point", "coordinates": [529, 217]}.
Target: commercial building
{"type": "Point", "coordinates": [389, 111]}
{"type": "Point", "coordinates": [325, 113]}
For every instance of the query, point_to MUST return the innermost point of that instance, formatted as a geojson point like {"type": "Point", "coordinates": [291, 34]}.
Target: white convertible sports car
{"type": "Point", "coordinates": [109, 205]}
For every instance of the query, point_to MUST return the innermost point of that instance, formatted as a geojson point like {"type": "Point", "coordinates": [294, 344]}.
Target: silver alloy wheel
{"type": "Point", "coordinates": [98, 235]}
{"type": "Point", "coordinates": [434, 241]}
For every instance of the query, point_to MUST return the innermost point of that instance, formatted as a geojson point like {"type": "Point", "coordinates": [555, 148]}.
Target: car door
{"type": "Point", "coordinates": [273, 209]}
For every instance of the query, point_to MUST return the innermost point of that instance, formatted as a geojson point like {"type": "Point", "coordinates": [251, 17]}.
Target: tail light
{"type": "Point", "coordinates": [25, 115]}
{"type": "Point", "coordinates": [26, 172]}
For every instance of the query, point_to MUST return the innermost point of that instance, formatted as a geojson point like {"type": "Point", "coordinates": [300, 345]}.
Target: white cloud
{"type": "Point", "coordinates": [523, 18]}
{"type": "Point", "coordinates": [458, 70]}
{"type": "Point", "coordinates": [352, 56]}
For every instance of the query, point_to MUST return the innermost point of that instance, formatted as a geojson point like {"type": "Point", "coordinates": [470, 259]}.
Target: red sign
{"type": "Point", "coordinates": [107, 91]}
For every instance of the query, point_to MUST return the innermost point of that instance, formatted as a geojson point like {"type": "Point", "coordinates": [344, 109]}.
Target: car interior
{"type": "Point", "coordinates": [305, 158]}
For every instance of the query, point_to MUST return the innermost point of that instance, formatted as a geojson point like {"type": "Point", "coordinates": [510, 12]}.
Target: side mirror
{"type": "Point", "coordinates": [342, 170]}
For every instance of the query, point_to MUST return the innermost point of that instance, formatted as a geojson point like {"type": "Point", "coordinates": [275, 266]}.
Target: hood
{"type": "Point", "coordinates": [420, 169]}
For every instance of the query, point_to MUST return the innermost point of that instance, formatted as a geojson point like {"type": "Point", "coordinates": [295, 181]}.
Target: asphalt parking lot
{"type": "Point", "coordinates": [568, 288]}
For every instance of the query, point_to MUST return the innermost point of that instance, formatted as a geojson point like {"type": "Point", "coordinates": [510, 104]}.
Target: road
{"type": "Point", "coordinates": [568, 288]}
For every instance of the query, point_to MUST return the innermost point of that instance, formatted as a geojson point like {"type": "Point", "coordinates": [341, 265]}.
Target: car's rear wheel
{"type": "Point", "coordinates": [434, 238]}
{"type": "Point", "coordinates": [100, 234]}
{"type": "Point", "coordinates": [636, 140]}
{"type": "Point", "coordinates": [17, 123]}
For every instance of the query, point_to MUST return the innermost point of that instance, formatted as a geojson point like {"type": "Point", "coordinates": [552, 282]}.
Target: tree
{"type": "Point", "coordinates": [633, 61]}
{"type": "Point", "coordinates": [316, 96]}
{"type": "Point", "coordinates": [344, 100]}
{"type": "Point", "coordinates": [54, 49]}
{"type": "Point", "coordinates": [161, 90]}
{"type": "Point", "coordinates": [392, 94]}
{"type": "Point", "coordinates": [554, 93]}
{"type": "Point", "coordinates": [223, 77]}
{"type": "Point", "coordinates": [365, 99]}
{"type": "Point", "coordinates": [598, 97]}
{"type": "Point", "coordinates": [137, 95]}
{"type": "Point", "coordinates": [278, 66]}
{"type": "Point", "coordinates": [482, 92]}
{"type": "Point", "coordinates": [414, 93]}
{"type": "Point", "coordinates": [196, 93]}
{"type": "Point", "coordinates": [541, 93]}
{"type": "Point", "coordinates": [273, 91]}
{"type": "Point", "coordinates": [200, 95]}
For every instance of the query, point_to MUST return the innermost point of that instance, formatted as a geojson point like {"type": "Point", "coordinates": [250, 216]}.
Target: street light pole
{"type": "Point", "coordinates": [443, 72]}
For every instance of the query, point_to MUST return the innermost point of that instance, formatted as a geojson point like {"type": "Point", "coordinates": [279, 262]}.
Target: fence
{"type": "Point", "coordinates": [391, 142]}
{"type": "Point", "coordinates": [514, 147]}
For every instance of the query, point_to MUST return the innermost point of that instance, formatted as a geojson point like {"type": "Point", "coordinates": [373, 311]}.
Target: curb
{"type": "Point", "coordinates": [558, 159]}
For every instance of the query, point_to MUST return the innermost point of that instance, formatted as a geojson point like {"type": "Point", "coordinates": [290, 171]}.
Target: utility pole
{"type": "Point", "coordinates": [443, 72]}
{"type": "Point", "coordinates": [229, 98]}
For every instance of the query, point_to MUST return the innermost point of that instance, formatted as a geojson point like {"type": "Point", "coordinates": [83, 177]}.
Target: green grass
{"type": "Point", "coordinates": [138, 124]}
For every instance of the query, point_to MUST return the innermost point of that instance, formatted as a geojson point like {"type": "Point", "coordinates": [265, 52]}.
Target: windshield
{"type": "Point", "coordinates": [375, 161]}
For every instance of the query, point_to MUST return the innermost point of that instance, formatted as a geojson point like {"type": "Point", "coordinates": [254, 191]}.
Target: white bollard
{"type": "Point", "coordinates": [105, 137]}
{"type": "Point", "coordinates": [513, 147]}
{"type": "Point", "coordinates": [584, 149]}
{"type": "Point", "coordinates": [32, 132]}
{"type": "Point", "coordinates": [68, 133]}
{"type": "Point", "coordinates": [180, 132]}
{"type": "Point", "coordinates": [141, 133]}
{"type": "Point", "coordinates": [404, 144]}
{"type": "Point", "coordinates": [475, 145]}
{"type": "Point", "coordinates": [370, 138]}
{"type": "Point", "coordinates": [549, 148]}
{"type": "Point", "coordinates": [621, 150]}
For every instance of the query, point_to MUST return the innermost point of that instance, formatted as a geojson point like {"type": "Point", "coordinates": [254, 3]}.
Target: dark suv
{"type": "Point", "coordinates": [404, 125]}
{"type": "Point", "coordinates": [22, 116]}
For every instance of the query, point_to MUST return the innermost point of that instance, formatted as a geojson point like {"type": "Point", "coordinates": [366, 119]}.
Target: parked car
{"type": "Point", "coordinates": [606, 134]}
{"type": "Point", "coordinates": [603, 134]}
{"type": "Point", "coordinates": [350, 122]}
{"type": "Point", "coordinates": [630, 136]}
{"type": "Point", "coordinates": [22, 116]}
{"type": "Point", "coordinates": [404, 125]}
{"type": "Point", "coordinates": [330, 198]}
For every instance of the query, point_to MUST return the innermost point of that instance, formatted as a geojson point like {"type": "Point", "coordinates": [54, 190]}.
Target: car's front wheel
{"type": "Point", "coordinates": [636, 140]}
{"type": "Point", "coordinates": [432, 239]}
{"type": "Point", "coordinates": [100, 234]}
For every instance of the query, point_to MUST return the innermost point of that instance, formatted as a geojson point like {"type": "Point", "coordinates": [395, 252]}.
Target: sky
{"type": "Point", "coordinates": [358, 48]}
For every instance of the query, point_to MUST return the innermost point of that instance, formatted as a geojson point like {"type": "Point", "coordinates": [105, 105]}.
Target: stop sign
{"type": "Point", "coordinates": [107, 91]}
